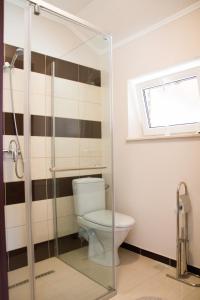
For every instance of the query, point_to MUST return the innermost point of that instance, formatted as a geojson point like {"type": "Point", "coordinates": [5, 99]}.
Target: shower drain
{"type": "Point", "coordinates": [26, 280]}
{"type": "Point", "coordinates": [149, 298]}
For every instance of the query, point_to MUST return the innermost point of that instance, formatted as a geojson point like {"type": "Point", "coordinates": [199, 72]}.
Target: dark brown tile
{"type": "Point", "coordinates": [63, 69]}
{"type": "Point", "coordinates": [49, 126]}
{"type": "Point", "coordinates": [37, 125]}
{"type": "Point", "coordinates": [39, 189]}
{"type": "Point", "coordinates": [67, 127]}
{"type": "Point", "coordinates": [52, 248]}
{"type": "Point", "coordinates": [17, 258]}
{"type": "Point", "coordinates": [89, 76]}
{"type": "Point", "coordinates": [9, 53]}
{"type": "Point", "coordinates": [9, 127]}
{"type": "Point", "coordinates": [14, 192]}
{"type": "Point", "coordinates": [69, 243]}
{"type": "Point", "coordinates": [37, 62]}
{"type": "Point", "coordinates": [64, 186]}
{"type": "Point", "coordinates": [90, 129]}
{"type": "Point", "coordinates": [41, 251]}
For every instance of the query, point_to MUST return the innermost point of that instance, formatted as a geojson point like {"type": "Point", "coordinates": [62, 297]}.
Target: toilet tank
{"type": "Point", "coordinates": [89, 194]}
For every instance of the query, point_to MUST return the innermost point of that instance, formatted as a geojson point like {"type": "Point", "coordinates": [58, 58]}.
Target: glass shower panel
{"type": "Point", "coordinates": [86, 153]}
{"type": "Point", "coordinates": [70, 139]}
{"type": "Point", "coordinates": [17, 239]}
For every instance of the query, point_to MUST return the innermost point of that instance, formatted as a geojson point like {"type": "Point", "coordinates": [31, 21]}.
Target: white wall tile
{"type": "Point", "coordinates": [48, 143]}
{"type": "Point", "coordinates": [67, 162]}
{"type": "Point", "coordinates": [66, 108]}
{"type": "Point", "coordinates": [37, 104]}
{"type": "Point", "coordinates": [38, 168]}
{"type": "Point", "coordinates": [90, 111]}
{"type": "Point", "coordinates": [9, 170]}
{"type": "Point", "coordinates": [90, 162]}
{"type": "Point", "coordinates": [40, 231]}
{"type": "Point", "coordinates": [18, 80]}
{"type": "Point", "coordinates": [51, 229]}
{"type": "Point", "coordinates": [37, 83]}
{"type": "Point", "coordinates": [90, 93]}
{"type": "Point", "coordinates": [48, 108]}
{"type": "Point", "coordinates": [66, 147]}
{"type": "Point", "coordinates": [67, 225]}
{"type": "Point", "coordinates": [90, 147]}
{"type": "Point", "coordinates": [15, 215]}
{"type": "Point", "coordinates": [15, 238]}
{"type": "Point", "coordinates": [66, 88]}
{"type": "Point", "coordinates": [38, 146]}
{"type": "Point", "coordinates": [64, 207]}
{"type": "Point", "coordinates": [39, 211]}
{"type": "Point", "coordinates": [18, 97]}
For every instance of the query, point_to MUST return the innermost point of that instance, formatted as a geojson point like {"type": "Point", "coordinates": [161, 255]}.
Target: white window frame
{"type": "Point", "coordinates": [172, 129]}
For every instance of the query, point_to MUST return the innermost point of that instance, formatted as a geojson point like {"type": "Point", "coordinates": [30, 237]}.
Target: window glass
{"type": "Point", "coordinates": [173, 103]}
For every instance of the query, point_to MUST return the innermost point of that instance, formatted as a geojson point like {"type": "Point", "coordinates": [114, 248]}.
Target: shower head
{"type": "Point", "coordinates": [18, 52]}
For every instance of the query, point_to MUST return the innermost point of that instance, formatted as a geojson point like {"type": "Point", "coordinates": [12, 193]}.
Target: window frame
{"type": "Point", "coordinates": [160, 80]}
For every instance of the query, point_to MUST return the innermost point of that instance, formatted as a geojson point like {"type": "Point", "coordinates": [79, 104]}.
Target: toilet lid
{"type": "Point", "coordinates": [104, 217]}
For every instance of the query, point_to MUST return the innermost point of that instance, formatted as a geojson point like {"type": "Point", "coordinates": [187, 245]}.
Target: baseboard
{"type": "Point", "coordinates": [158, 257]}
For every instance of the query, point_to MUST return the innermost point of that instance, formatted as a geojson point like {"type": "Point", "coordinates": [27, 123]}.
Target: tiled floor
{"type": "Point", "coordinates": [78, 259]}
{"type": "Point", "coordinates": [64, 284]}
{"type": "Point", "coordinates": [139, 277]}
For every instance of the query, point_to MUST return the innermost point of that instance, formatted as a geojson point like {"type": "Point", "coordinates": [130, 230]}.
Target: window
{"type": "Point", "coordinates": [168, 102]}
{"type": "Point", "coordinates": [173, 103]}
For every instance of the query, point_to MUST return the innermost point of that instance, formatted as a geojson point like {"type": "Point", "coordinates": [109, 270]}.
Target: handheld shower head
{"type": "Point", "coordinates": [18, 52]}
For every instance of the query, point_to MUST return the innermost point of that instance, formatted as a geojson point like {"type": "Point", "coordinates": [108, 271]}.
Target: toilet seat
{"type": "Point", "coordinates": [102, 220]}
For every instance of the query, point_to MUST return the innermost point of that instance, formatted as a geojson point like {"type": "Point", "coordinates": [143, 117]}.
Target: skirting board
{"type": "Point", "coordinates": [158, 257]}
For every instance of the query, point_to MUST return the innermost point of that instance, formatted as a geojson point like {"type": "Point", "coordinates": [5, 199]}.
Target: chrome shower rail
{"type": "Point", "coordinates": [54, 169]}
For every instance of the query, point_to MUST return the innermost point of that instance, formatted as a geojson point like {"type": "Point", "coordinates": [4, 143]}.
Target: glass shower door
{"type": "Point", "coordinates": [70, 138]}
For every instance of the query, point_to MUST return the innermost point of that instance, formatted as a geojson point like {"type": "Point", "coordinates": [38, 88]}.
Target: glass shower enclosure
{"type": "Point", "coordinates": [57, 87]}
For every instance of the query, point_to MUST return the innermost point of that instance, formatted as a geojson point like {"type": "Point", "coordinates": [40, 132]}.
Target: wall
{"type": "Point", "coordinates": [148, 172]}
{"type": "Point", "coordinates": [81, 128]}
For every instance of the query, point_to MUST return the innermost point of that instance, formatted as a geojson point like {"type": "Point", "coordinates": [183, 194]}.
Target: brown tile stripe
{"type": "Point", "coordinates": [41, 63]}
{"type": "Point", "coordinates": [64, 127]}
{"type": "Point", "coordinates": [8, 121]}
{"type": "Point", "coordinates": [44, 250]}
{"type": "Point", "coordinates": [63, 69]}
{"type": "Point", "coordinates": [41, 189]}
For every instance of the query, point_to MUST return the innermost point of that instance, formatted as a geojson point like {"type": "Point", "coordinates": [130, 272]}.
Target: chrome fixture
{"type": "Point", "coordinates": [18, 52]}
{"type": "Point", "coordinates": [54, 169]}
{"type": "Point", "coordinates": [36, 10]}
{"type": "Point", "coordinates": [14, 146]}
{"type": "Point", "coordinates": [182, 241]}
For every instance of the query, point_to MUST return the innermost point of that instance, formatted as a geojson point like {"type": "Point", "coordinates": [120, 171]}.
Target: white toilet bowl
{"type": "Point", "coordinates": [96, 223]}
{"type": "Point", "coordinates": [99, 233]}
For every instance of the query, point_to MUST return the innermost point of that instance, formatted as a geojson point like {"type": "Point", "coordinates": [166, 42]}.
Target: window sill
{"type": "Point", "coordinates": [163, 137]}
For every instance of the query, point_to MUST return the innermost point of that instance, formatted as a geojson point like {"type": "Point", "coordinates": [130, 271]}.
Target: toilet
{"type": "Point", "coordinates": [95, 221]}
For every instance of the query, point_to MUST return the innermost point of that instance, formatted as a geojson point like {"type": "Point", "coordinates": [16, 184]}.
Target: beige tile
{"type": "Point", "coordinates": [15, 215]}
{"type": "Point", "coordinates": [64, 283]}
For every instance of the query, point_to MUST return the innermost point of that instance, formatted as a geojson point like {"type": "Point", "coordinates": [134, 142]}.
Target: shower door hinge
{"type": "Point", "coordinates": [36, 10]}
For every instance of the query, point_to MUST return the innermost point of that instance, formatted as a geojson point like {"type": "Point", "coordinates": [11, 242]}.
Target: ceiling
{"type": "Point", "coordinates": [123, 18]}
{"type": "Point", "coordinates": [72, 6]}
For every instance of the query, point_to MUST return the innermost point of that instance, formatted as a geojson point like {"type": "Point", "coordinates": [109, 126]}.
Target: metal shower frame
{"type": "Point", "coordinates": [39, 4]}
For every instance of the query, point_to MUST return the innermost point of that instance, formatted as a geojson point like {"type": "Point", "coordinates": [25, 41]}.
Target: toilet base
{"type": "Point", "coordinates": [100, 249]}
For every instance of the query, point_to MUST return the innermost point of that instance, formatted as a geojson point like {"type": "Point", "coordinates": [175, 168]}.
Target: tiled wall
{"type": "Point", "coordinates": [78, 131]}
